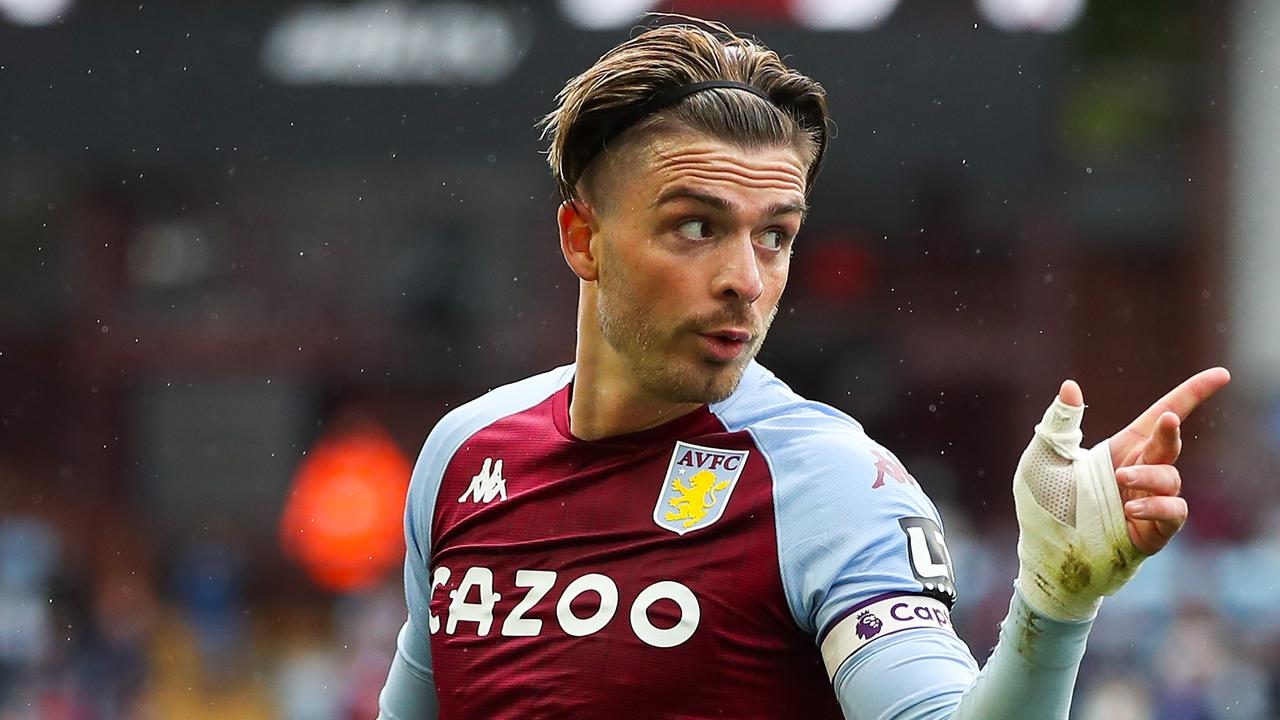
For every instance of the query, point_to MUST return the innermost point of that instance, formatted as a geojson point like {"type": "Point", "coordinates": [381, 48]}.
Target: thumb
{"type": "Point", "coordinates": [1071, 394]}
{"type": "Point", "coordinates": [1060, 428]}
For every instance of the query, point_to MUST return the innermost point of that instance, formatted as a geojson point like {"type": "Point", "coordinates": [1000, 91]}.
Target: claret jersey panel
{"type": "Point", "coordinates": [668, 573]}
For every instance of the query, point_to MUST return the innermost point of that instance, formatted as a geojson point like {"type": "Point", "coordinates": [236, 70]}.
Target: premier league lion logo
{"type": "Point", "coordinates": [868, 626]}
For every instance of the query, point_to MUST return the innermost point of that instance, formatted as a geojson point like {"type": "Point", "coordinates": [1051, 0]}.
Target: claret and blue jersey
{"type": "Point", "coordinates": [734, 562]}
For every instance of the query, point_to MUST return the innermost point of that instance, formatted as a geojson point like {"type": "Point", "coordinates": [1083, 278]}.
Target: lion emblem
{"type": "Point", "coordinates": [868, 625]}
{"type": "Point", "coordinates": [693, 500]}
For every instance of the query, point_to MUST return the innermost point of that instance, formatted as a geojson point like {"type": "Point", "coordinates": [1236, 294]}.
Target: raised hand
{"type": "Point", "coordinates": [1143, 455]}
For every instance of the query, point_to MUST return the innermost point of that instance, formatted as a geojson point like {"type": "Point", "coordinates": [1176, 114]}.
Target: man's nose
{"type": "Point", "coordinates": [739, 273]}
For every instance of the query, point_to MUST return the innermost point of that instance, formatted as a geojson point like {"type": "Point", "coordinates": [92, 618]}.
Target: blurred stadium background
{"type": "Point", "coordinates": [251, 251]}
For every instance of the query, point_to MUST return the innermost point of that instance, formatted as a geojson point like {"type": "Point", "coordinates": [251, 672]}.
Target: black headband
{"type": "Point", "coordinates": [663, 99]}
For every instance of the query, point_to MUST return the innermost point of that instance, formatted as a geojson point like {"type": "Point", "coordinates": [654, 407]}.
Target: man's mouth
{"type": "Point", "coordinates": [727, 344]}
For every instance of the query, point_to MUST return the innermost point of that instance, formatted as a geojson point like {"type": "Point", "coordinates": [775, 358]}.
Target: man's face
{"type": "Point", "coordinates": [695, 245]}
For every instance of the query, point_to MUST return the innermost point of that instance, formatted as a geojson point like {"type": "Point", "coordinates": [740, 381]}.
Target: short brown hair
{"type": "Point", "coordinates": [666, 57]}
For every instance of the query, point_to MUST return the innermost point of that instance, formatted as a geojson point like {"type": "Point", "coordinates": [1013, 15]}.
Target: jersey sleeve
{"type": "Point", "coordinates": [410, 690]}
{"type": "Point", "coordinates": [419, 506]}
{"type": "Point", "coordinates": [866, 570]}
{"type": "Point", "coordinates": [928, 675]}
{"type": "Point", "coordinates": [861, 547]}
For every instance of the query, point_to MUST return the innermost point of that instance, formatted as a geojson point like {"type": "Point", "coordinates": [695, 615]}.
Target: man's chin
{"type": "Point", "coordinates": [709, 382]}
{"type": "Point", "coordinates": [723, 377]}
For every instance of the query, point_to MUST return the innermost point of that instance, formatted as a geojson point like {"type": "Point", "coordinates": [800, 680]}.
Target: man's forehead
{"type": "Point", "coordinates": [707, 165]}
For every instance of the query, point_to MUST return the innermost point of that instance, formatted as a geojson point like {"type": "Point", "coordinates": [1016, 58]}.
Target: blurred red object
{"type": "Point", "coordinates": [837, 268]}
{"type": "Point", "coordinates": [344, 518]}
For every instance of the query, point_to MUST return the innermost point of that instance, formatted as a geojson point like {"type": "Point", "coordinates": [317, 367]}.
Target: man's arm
{"type": "Point", "coordinates": [930, 675]}
{"type": "Point", "coordinates": [410, 692]}
{"type": "Point", "coordinates": [1077, 543]}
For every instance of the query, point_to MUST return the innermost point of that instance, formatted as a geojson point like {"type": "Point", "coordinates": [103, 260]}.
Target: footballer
{"type": "Point", "coordinates": [663, 529]}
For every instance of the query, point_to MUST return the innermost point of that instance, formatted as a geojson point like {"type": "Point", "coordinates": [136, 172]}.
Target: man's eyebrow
{"type": "Point", "coordinates": [683, 193]}
{"type": "Point", "coordinates": [719, 203]}
{"type": "Point", "coordinates": [788, 208]}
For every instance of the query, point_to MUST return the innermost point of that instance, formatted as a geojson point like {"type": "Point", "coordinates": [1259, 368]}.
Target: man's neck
{"type": "Point", "coordinates": [607, 401]}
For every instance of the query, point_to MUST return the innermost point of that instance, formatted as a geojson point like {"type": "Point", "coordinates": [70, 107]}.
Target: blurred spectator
{"type": "Point", "coordinates": [1123, 697]}
{"type": "Point", "coordinates": [1200, 678]}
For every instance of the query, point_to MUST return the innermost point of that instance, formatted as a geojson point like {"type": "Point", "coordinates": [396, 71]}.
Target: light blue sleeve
{"type": "Point", "coordinates": [853, 525]}
{"type": "Point", "coordinates": [419, 507]}
{"type": "Point", "coordinates": [865, 569]}
{"type": "Point", "coordinates": [410, 692]}
{"type": "Point", "coordinates": [929, 675]}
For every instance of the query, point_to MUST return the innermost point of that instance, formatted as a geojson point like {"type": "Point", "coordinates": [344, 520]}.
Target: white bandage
{"type": "Point", "coordinates": [1073, 542]}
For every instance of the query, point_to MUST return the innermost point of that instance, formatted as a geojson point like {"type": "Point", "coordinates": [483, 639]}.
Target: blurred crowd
{"type": "Point", "coordinates": [115, 637]}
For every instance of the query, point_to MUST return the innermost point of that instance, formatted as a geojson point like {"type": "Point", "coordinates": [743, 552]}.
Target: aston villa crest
{"type": "Point", "coordinates": [697, 487]}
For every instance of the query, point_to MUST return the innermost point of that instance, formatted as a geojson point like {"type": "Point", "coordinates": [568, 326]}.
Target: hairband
{"type": "Point", "coordinates": [661, 100]}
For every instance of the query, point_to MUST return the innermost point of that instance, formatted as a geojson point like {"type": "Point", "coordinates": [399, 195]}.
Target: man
{"type": "Point", "coordinates": [663, 529]}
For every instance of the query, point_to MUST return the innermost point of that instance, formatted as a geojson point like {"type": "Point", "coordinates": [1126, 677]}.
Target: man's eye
{"type": "Point", "coordinates": [694, 229]}
{"type": "Point", "coordinates": [774, 239]}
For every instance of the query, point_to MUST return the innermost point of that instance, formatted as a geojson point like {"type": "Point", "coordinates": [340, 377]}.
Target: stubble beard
{"type": "Point", "coordinates": [654, 353]}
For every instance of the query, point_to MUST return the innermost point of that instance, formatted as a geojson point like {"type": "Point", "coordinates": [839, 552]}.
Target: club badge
{"type": "Point", "coordinates": [697, 487]}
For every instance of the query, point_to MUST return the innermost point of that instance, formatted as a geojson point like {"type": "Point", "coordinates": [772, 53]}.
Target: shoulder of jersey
{"type": "Point", "coordinates": [465, 420]}
{"type": "Point", "coordinates": [776, 415]}
{"type": "Point", "coordinates": [799, 436]}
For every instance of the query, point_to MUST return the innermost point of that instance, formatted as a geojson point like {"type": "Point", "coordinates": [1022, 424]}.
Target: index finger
{"type": "Point", "coordinates": [1183, 399]}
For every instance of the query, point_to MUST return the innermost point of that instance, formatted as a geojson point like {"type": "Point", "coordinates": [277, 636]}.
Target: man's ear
{"type": "Point", "coordinates": [578, 227]}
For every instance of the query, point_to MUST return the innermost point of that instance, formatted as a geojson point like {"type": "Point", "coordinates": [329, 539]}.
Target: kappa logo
{"type": "Point", "coordinates": [697, 487]}
{"type": "Point", "coordinates": [888, 467]}
{"type": "Point", "coordinates": [487, 484]}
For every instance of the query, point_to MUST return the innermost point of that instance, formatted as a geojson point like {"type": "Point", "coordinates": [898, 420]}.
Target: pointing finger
{"type": "Point", "coordinates": [1181, 400]}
